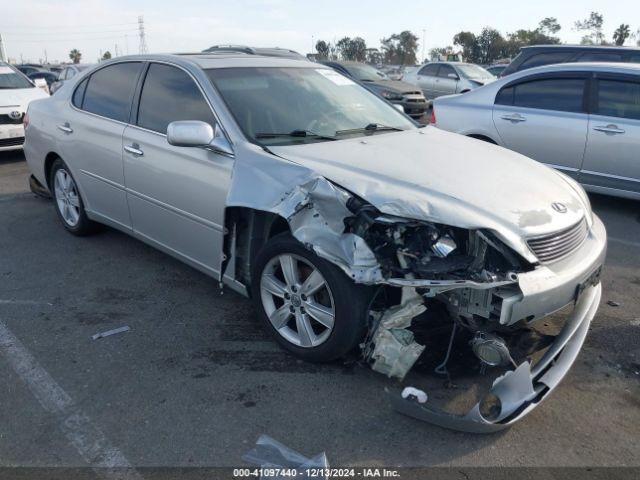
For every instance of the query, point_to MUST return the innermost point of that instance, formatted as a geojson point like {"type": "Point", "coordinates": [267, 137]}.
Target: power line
{"type": "Point", "coordinates": [62, 27]}
{"type": "Point", "coordinates": [31, 34]}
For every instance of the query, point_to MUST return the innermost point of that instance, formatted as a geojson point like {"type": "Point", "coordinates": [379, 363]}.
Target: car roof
{"type": "Point", "coordinates": [222, 60]}
{"type": "Point", "coordinates": [612, 67]}
{"type": "Point", "coordinates": [579, 47]}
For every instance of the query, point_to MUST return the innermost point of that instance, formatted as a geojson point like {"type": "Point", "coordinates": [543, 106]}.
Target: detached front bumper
{"type": "Point", "coordinates": [522, 389]}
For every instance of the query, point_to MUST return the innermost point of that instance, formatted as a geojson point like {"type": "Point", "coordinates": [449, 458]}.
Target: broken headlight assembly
{"type": "Point", "coordinates": [418, 250]}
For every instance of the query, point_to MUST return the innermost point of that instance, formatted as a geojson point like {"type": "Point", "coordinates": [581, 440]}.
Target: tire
{"type": "Point", "coordinates": [301, 303]}
{"type": "Point", "coordinates": [68, 202]}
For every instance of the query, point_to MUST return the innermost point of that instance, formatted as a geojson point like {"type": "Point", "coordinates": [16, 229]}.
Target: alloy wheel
{"type": "Point", "coordinates": [67, 198]}
{"type": "Point", "coordinates": [297, 300]}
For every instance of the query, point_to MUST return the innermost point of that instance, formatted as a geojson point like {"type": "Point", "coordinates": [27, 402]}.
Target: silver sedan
{"type": "Point", "coordinates": [582, 119]}
{"type": "Point", "coordinates": [343, 220]}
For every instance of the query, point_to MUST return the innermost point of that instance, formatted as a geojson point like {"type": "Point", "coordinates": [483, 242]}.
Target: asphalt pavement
{"type": "Point", "coordinates": [196, 381]}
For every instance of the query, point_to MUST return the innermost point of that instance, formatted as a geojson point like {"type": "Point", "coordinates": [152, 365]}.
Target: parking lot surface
{"type": "Point", "coordinates": [196, 380]}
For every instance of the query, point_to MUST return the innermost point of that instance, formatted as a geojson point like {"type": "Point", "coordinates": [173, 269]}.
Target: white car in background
{"type": "Point", "coordinates": [16, 91]}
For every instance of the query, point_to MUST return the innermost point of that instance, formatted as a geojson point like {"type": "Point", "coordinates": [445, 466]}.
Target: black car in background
{"type": "Point", "coordinates": [408, 96]}
{"type": "Point", "coordinates": [539, 55]}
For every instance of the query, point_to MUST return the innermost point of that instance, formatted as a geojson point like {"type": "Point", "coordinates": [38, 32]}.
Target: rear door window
{"type": "Point", "coordinates": [169, 94]}
{"type": "Point", "coordinates": [110, 90]}
{"type": "Point", "coordinates": [445, 71]}
{"type": "Point", "coordinates": [429, 70]}
{"type": "Point", "coordinates": [560, 94]}
{"type": "Point", "coordinates": [545, 59]}
{"type": "Point", "coordinates": [618, 98]}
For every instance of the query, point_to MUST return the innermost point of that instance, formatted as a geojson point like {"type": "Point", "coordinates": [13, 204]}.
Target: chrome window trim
{"type": "Point", "coordinates": [127, 124]}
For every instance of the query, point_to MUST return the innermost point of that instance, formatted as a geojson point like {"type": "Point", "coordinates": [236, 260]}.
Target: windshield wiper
{"type": "Point", "coordinates": [295, 133]}
{"type": "Point", "coordinates": [372, 127]}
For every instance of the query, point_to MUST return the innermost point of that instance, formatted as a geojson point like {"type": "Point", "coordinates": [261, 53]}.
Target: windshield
{"type": "Point", "coordinates": [287, 106]}
{"type": "Point", "coordinates": [365, 73]}
{"type": "Point", "coordinates": [474, 72]}
{"type": "Point", "coordinates": [9, 79]}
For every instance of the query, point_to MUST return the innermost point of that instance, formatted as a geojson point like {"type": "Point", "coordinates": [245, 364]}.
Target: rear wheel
{"type": "Point", "coordinates": [67, 200]}
{"type": "Point", "coordinates": [308, 304]}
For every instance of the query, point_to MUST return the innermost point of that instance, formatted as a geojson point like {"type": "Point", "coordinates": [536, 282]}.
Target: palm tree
{"type": "Point", "coordinates": [75, 55]}
{"type": "Point", "coordinates": [621, 34]}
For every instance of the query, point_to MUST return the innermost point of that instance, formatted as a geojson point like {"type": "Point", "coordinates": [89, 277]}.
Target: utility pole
{"type": "Point", "coordinates": [423, 38]}
{"type": "Point", "coordinates": [143, 41]}
{"type": "Point", "coordinates": [126, 43]}
{"type": "Point", "coordinates": [3, 50]}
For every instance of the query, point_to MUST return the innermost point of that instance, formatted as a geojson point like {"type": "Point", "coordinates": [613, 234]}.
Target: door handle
{"type": "Point", "coordinates": [65, 128]}
{"type": "Point", "coordinates": [609, 129]}
{"type": "Point", "coordinates": [134, 150]}
{"type": "Point", "coordinates": [516, 117]}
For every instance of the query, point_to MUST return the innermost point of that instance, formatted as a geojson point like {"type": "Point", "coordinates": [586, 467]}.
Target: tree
{"type": "Point", "coordinates": [469, 44]}
{"type": "Point", "coordinates": [549, 26]}
{"type": "Point", "coordinates": [621, 34]}
{"type": "Point", "coordinates": [592, 25]}
{"type": "Point", "coordinates": [373, 56]}
{"type": "Point", "coordinates": [352, 49]}
{"type": "Point", "coordinates": [75, 55]}
{"type": "Point", "coordinates": [400, 48]}
{"type": "Point", "coordinates": [322, 48]}
{"type": "Point", "coordinates": [106, 55]}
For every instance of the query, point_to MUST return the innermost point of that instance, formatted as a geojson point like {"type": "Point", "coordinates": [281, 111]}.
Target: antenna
{"type": "Point", "coordinates": [143, 40]}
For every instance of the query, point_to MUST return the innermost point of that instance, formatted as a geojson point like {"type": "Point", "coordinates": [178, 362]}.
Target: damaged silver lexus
{"type": "Point", "coordinates": [350, 227]}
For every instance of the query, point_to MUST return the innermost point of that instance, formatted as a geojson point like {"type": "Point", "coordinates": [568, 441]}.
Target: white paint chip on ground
{"type": "Point", "coordinates": [89, 441]}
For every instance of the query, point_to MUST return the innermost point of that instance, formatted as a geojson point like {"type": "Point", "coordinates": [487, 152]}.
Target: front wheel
{"type": "Point", "coordinates": [309, 305]}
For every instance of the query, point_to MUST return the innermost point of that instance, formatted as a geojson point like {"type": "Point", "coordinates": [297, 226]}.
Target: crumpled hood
{"type": "Point", "coordinates": [18, 99]}
{"type": "Point", "coordinates": [395, 86]}
{"type": "Point", "coordinates": [430, 174]}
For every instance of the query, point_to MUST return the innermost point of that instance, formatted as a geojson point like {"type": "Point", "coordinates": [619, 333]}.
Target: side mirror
{"type": "Point", "coordinates": [194, 133]}
{"type": "Point", "coordinates": [454, 76]}
{"type": "Point", "coordinates": [399, 107]}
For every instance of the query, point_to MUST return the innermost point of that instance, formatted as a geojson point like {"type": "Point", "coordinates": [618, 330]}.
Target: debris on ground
{"type": "Point", "coordinates": [108, 333]}
{"type": "Point", "coordinates": [271, 454]}
{"type": "Point", "coordinates": [419, 395]}
{"type": "Point", "coordinates": [612, 303]}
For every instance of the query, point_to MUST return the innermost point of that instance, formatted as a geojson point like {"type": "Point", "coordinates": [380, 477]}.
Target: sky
{"type": "Point", "coordinates": [32, 27]}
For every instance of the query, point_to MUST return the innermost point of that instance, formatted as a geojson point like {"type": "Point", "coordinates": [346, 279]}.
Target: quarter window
{"type": "Point", "coordinates": [110, 90]}
{"type": "Point", "coordinates": [561, 94]}
{"type": "Point", "coordinates": [618, 99]}
{"type": "Point", "coordinates": [78, 95]}
{"type": "Point", "coordinates": [168, 95]}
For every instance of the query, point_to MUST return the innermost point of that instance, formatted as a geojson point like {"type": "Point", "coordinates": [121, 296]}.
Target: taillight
{"type": "Point", "coordinates": [432, 118]}
{"type": "Point", "coordinates": [25, 120]}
